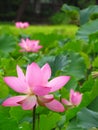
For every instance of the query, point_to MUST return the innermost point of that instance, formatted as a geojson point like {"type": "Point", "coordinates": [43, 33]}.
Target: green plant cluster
{"type": "Point", "coordinates": [74, 15]}
{"type": "Point", "coordinates": [67, 15]}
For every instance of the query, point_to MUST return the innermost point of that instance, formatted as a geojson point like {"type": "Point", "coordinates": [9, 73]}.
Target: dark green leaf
{"type": "Point", "coordinates": [85, 14]}
{"type": "Point", "coordinates": [87, 29]}
{"type": "Point", "coordinates": [87, 118]}
{"type": "Point", "coordinates": [7, 43]}
{"type": "Point", "coordinates": [76, 67]}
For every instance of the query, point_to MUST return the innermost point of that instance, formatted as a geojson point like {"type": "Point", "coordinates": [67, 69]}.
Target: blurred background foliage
{"type": "Point", "coordinates": [44, 11]}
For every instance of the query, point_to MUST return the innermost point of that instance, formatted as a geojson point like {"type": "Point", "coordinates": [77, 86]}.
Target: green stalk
{"type": "Point", "coordinates": [34, 118]}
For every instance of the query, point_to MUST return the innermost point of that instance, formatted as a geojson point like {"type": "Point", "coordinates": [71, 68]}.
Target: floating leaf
{"type": "Point", "coordinates": [7, 43]}
{"type": "Point", "coordinates": [49, 121]}
{"type": "Point", "coordinates": [76, 67]}
{"type": "Point", "coordinates": [87, 118]}
{"type": "Point", "coordinates": [86, 14]}
{"type": "Point", "coordinates": [87, 29]}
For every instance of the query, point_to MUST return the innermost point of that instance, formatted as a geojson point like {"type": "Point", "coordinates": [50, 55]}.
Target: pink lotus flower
{"type": "Point", "coordinates": [22, 24]}
{"type": "Point", "coordinates": [35, 88]}
{"type": "Point", "coordinates": [29, 45]}
{"type": "Point", "coordinates": [75, 98]}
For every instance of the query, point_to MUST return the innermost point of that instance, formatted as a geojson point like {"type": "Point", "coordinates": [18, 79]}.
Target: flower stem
{"type": "Point", "coordinates": [34, 117]}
